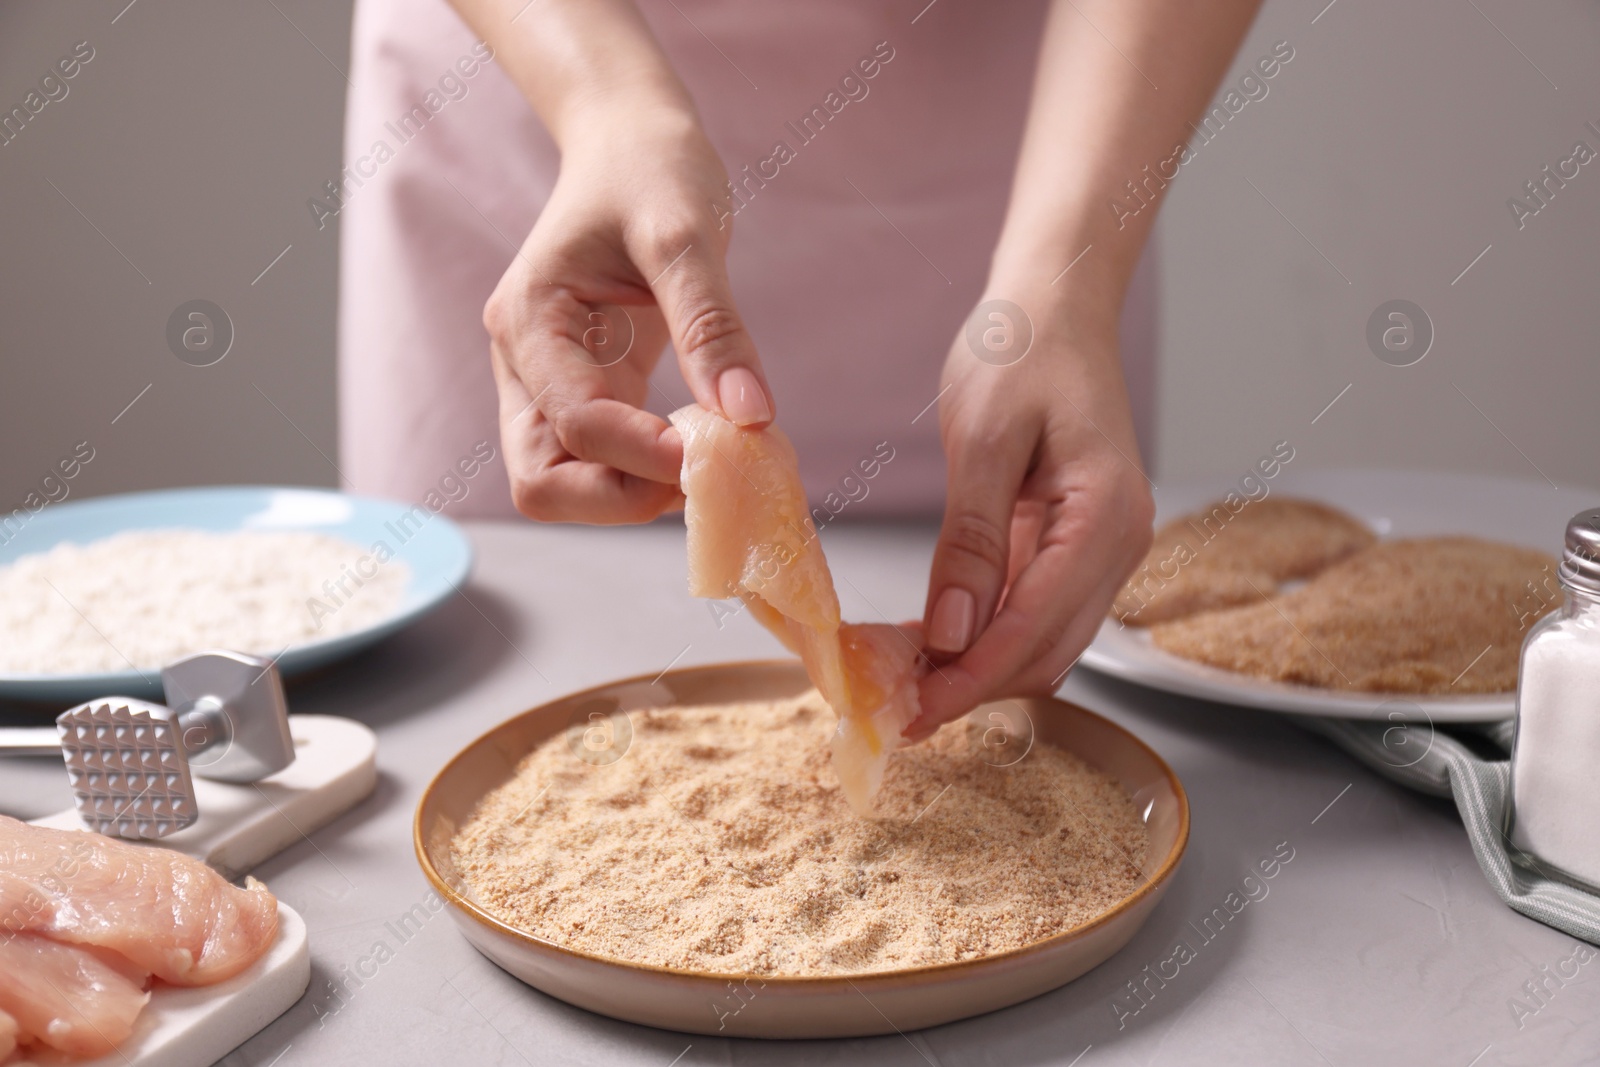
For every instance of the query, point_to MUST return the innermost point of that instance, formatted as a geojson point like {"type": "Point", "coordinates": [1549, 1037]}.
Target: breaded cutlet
{"type": "Point", "coordinates": [1440, 615]}
{"type": "Point", "coordinates": [1218, 557]}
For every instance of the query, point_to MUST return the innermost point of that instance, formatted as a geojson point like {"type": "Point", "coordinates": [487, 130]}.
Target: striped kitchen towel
{"type": "Point", "coordinates": [1471, 764]}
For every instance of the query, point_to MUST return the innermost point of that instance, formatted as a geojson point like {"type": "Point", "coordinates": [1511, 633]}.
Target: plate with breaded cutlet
{"type": "Point", "coordinates": [1381, 594]}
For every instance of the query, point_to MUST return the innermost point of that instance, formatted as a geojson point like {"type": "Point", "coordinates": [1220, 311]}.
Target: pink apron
{"type": "Point", "coordinates": [858, 250]}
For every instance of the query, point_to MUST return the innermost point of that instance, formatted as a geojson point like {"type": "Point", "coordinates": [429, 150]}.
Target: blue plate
{"type": "Point", "coordinates": [435, 549]}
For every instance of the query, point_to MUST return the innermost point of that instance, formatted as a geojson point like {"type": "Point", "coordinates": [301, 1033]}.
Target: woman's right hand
{"type": "Point", "coordinates": [628, 252]}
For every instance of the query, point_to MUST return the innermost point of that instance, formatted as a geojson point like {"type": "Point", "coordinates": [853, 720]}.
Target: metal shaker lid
{"type": "Point", "coordinates": [1580, 563]}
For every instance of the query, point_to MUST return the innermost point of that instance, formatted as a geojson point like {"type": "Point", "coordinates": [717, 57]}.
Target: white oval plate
{"type": "Point", "coordinates": [1395, 503]}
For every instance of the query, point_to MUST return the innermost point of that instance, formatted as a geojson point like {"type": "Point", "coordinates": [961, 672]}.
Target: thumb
{"type": "Point", "coordinates": [969, 564]}
{"type": "Point", "coordinates": [715, 352]}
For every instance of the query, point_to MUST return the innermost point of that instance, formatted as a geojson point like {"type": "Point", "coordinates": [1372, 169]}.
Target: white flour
{"type": "Point", "coordinates": [144, 598]}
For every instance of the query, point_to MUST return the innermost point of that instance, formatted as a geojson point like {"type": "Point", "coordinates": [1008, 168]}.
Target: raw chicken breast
{"type": "Point", "coordinates": [76, 1000]}
{"type": "Point", "coordinates": [883, 667]}
{"type": "Point", "coordinates": [167, 913]}
{"type": "Point", "coordinates": [751, 536]}
{"type": "Point", "coordinates": [9, 1035]}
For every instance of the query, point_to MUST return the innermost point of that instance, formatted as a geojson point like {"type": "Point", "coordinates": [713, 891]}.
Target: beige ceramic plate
{"type": "Point", "coordinates": [831, 1006]}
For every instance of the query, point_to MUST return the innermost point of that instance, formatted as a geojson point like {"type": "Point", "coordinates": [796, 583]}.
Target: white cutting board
{"type": "Point", "coordinates": [240, 826]}
{"type": "Point", "coordinates": [196, 1027]}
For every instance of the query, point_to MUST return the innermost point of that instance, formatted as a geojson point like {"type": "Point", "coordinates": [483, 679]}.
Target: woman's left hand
{"type": "Point", "coordinates": [1047, 509]}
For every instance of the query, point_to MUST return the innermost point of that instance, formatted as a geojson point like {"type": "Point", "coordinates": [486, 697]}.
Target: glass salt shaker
{"type": "Point", "coordinates": [1554, 814]}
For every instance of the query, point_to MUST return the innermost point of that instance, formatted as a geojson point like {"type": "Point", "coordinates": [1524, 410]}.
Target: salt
{"type": "Point", "coordinates": [1555, 803]}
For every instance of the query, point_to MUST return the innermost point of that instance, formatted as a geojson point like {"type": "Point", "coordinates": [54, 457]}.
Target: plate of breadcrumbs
{"type": "Point", "coordinates": [1400, 595]}
{"type": "Point", "coordinates": [677, 852]}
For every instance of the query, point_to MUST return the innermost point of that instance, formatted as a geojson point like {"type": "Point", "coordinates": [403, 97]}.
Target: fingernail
{"type": "Point", "coordinates": [743, 400]}
{"type": "Point", "coordinates": [953, 619]}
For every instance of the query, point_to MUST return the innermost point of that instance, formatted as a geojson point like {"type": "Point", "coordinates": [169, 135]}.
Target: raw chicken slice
{"type": "Point", "coordinates": [751, 536]}
{"type": "Point", "coordinates": [9, 1035]}
{"type": "Point", "coordinates": [883, 667]}
{"type": "Point", "coordinates": [76, 1000]}
{"type": "Point", "coordinates": [169, 914]}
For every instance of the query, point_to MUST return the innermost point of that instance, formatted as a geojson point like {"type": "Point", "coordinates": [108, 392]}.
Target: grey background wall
{"type": "Point", "coordinates": [1382, 159]}
{"type": "Point", "coordinates": [1377, 167]}
{"type": "Point", "coordinates": [177, 167]}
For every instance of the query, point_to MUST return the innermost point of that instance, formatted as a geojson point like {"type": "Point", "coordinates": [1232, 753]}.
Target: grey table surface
{"type": "Point", "coordinates": [1379, 942]}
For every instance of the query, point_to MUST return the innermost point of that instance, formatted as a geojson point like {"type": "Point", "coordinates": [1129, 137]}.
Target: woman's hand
{"type": "Point", "coordinates": [627, 253]}
{"type": "Point", "coordinates": [1047, 508]}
